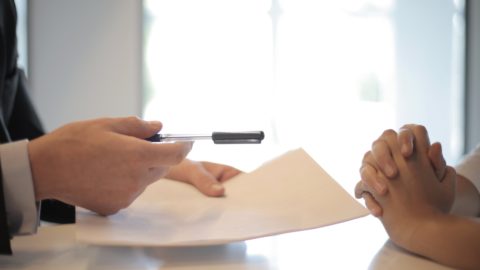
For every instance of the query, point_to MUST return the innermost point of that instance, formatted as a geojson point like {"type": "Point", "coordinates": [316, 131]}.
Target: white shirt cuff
{"type": "Point", "coordinates": [22, 214]}
{"type": "Point", "coordinates": [469, 167]}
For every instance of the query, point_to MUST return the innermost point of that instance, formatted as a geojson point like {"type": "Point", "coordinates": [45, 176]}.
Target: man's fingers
{"type": "Point", "coordinates": [134, 126]}
{"type": "Point", "coordinates": [229, 174]}
{"type": "Point", "coordinates": [155, 173]}
{"type": "Point", "coordinates": [436, 158]}
{"type": "Point", "coordinates": [221, 172]}
{"type": "Point", "coordinates": [165, 154]}
{"type": "Point", "coordinates": [207, 184]}
{"type": "Point", "coordinates": [197, 175]}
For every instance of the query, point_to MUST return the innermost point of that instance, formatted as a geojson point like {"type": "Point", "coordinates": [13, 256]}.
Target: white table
{"type": "Point", "coordinates": [357, 244]}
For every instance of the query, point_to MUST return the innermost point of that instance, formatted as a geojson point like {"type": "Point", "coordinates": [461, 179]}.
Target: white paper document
{"type": "Point", "coordinates": [289, 193]}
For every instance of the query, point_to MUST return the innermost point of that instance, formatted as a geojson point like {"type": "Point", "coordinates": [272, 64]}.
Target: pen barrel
{"type": "Point", "coordinates": [250, 137]}
{"type": "Point", "coordinates": [253, 137]}
{"type": "Point", "coordinates": [178, 137]}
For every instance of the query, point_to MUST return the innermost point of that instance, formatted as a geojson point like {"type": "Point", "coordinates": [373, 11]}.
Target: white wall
{"type": "Point", "coordinates": [429, 70]}
{"type": "Point", "coordinates": [85, 59]}
{"type": "Point", "coordinates": [473, 78]}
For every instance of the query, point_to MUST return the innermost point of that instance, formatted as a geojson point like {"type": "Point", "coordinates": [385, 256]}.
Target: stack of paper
{"type": "Point", "coordinates": [289, 193]}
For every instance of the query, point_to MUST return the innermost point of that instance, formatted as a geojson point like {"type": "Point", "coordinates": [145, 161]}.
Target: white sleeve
{"type": "Point", "coordinates": [22, 214]}
{"type": "Point", "coordinates": [469, 167]}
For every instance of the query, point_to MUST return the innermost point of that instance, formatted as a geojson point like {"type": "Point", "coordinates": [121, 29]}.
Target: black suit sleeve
{"type": "Point", "coordinates": [4, 233]}
{"type": "Point", "coordinates": [4, 136]}
{"type": "Point", "coordinates": [18, 119]}
{"type": "Point", "coordinates": [24, 123]}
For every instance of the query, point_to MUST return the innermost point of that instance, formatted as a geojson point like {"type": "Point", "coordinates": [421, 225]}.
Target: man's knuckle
{"type": "Point", "coordinates": [132, 119]}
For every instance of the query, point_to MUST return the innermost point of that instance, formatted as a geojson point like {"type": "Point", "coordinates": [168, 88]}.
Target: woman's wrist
{"type": "Point", "coordinates": [412, 231]}
{"type": "Point", "coordinates": [467, 198]}
{"type": "Point", "coordinates": [425, 232]}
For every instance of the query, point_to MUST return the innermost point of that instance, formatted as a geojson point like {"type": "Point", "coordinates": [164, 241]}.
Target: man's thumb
{"type": "Point", "coordinates": [136, 127]}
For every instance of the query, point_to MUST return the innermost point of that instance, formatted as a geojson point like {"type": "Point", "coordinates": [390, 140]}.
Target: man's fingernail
{"type": "Point", "coordinates": [155, 123]}
{"type": "Point", "coordinates": [217, 187]}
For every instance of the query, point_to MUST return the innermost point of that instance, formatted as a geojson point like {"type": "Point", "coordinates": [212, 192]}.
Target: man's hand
{"type": "Point", "coordinates": [205, 176]}
{"type": "Point", "coordinates": [101, 164]}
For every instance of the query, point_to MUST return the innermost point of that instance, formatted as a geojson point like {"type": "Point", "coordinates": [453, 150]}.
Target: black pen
{"type": "Point", "coordinates": [248, 137]}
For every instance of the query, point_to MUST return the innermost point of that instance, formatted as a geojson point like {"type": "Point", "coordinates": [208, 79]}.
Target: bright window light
{"type": "Point", "coordinates": [328, 76]}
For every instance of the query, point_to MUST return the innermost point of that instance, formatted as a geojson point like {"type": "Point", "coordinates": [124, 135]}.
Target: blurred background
{"type": "Point", "coordinates": [328, 76]}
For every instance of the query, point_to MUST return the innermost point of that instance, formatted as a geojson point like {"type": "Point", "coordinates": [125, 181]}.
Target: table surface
{"type": "Point", "coordinates": [356, 244]}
